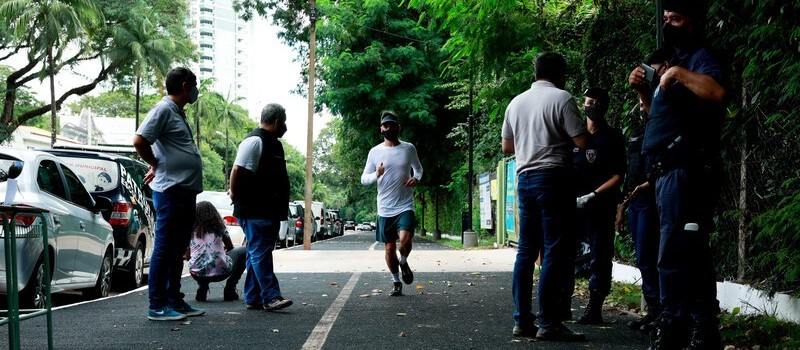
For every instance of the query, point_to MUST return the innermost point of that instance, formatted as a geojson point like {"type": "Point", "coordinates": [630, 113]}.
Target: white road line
{"type": "Point", "coordinates": [320, 333]}
{"type": "Point", "coordinates": [372, 247]}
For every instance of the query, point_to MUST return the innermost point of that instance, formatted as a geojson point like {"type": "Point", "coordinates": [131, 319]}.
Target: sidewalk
{"type": "Point", "coordinates": [459, 300]}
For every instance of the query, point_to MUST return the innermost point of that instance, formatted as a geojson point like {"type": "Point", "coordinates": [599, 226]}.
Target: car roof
{"type": "Point", "coordinates": [23, 154]}
{"type": "Point", "coordinates": [85, 154]}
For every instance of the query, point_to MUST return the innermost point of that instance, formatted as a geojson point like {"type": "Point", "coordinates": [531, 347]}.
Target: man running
{"type": "Point", "coordinates": [390, 164]}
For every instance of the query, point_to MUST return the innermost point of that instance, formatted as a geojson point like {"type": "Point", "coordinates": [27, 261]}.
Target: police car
{"type": "Point", "coordinates": [119, 178]}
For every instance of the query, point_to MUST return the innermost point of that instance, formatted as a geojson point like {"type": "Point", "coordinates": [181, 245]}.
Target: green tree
{"type": "Point", "coordinates": [117, 103]}
{"type": "Point", "coordinates": [149, 51]}
{"type": "Point", "coordinates": [49, 26]}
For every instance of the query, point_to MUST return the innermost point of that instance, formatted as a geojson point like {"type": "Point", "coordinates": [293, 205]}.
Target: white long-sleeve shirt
{"type": "Point", "coordinates": [400, 163]}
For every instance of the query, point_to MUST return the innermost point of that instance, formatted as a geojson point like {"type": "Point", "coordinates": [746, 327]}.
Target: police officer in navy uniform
{"type": "Point", "coordinates": [640, 203]}
{"type": "Point", "coordinates": [681, 147]}
{"type": "Point", "coordinates": [600, 169]}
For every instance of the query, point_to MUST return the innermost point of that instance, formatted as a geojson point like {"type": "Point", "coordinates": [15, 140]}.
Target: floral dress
{"type": "Point", "coordinates": [208, 257]}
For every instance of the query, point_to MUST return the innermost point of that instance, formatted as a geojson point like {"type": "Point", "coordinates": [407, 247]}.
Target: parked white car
{"type": "Point", "coordinates": [80, 242]}
{"type": "Point", "coordinates": [364, 226]}
{"type": "Point", "coordinates": [222, 202]}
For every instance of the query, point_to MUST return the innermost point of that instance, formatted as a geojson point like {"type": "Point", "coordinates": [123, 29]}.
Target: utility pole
{"type": "Point", "coordinates": [469, 238]}
{"type": "Point", "coordinates": [659, 23]}
{"type": "Point", "coordinates": [308, 225]}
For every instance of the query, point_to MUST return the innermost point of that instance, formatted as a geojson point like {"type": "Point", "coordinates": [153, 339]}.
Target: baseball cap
{"type": "Point", "coordinates": [389, 116]}
{"type": "Point", "coordinates": [694, 9]}
{"type": "Point", "coordinates": [597, 93]}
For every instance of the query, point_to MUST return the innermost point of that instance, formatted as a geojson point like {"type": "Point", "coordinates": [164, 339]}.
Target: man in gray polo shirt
{"type": "Point", "coordinates": [165, 142]}
{"type": "Point", "coordinates": [541, 127]}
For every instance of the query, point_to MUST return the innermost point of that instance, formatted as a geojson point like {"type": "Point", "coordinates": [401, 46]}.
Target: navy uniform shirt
{"type": "Point", "coordinates": [678, 112]}
{"type": "Point", "coordinates": [636, 174]}
{"type": "Point", "coordinates": [603, 157]}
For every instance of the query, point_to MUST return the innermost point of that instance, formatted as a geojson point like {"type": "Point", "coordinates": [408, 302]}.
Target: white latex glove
{"type": "Point", "coordinates": [582, 200]}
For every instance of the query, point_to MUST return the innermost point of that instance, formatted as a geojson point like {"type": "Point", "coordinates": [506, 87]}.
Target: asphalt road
{"type": "Point", "coordinates": [462, 306]}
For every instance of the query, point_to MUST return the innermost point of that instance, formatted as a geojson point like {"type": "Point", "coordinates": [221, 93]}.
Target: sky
{"type": "Point", "coordinates": [273, 75]}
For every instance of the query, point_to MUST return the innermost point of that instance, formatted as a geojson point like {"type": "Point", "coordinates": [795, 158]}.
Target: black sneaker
{"type": "Point", "coordinates": [202, 294]}
{"type": "Point", "coordinates": [397, 291]}
{"type": "Point", "coordinates": [559, 333]}
{"type": "Point", "coordinates": [230, 295]}
{"type": "Point", "coordinates": [524, 332]}
{"type": "Point", "coordinates": [254, 306]}
{"type": "Point", "coordinates": [277, 304]}
{"type": "Point", "coordinates": [408, 276]}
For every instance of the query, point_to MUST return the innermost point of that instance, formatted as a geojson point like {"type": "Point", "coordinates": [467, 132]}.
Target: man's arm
{"type": "Point", "coordinates": [370, 174]}
{"type": "Point", "coordinates": [702, 85]}
{"type": "Point", "coordinates": [236, 174]}
{"type": "Point", "coordinates": [145, 151]}
{"type": "Point", "coordinates": [582, 141]}
{"type": "Point", "coordinates": [416, 166]}
{"type": "Point", "coordinates": [507, 146]}
{"type": "Point", "coordinates": [637, 80]}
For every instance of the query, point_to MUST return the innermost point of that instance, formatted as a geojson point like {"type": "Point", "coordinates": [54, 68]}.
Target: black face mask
{"type": "Point", "coordinates": [391, 134]}
{"type": "Point", "coordinates": [676, 37]}
{"type": "Point", "coordinates": [593, 112]}
{"type": "Point", "coordinates": [281, 130]}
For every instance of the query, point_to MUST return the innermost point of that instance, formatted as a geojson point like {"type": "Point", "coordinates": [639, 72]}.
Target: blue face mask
{"type": "Point", "coordinates": [194, 93]}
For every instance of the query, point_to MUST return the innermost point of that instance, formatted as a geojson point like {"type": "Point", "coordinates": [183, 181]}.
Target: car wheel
{"type": "Point", "coordinates": [135, 277]}
{"type": "Point", "coordinates": [103, 286]}
{"type": "Point", "coordinates": [34, 294]}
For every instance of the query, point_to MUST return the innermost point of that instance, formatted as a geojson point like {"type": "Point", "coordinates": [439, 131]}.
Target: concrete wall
{"type": "Point", "coordinates": [749, 300]}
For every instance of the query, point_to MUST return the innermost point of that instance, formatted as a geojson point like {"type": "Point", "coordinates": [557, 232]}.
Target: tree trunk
{"type": "Point", "coordinates": [436, 204]}
{"type": "Point", "coordinates": [743, 209]}
{"type": "Point", "coordinates": [227, 176]}
{"type": "Point", "coordinates": [197, 123]}
{"type": "Point", "coordinates": [53, 119]}
{"type": "Point", "coordinates": [138, 81]}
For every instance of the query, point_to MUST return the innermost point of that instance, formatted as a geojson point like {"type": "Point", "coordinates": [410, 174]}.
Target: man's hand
{"type": "Point", "coordinates": [411, 182]}
{"type": "Point", "coordinates": [619, 222]}
{"type": "Point", "coordinates": [582, 200]}
{"type": "Point", "coordinates": [637, 79]}
{"type": "Point", "coordinates": [636, 192]}
{"type": "Point", "coordinates": [670, 77]}
{"type": "Point", "coordinates": [380, 170]}
{"type": "Point", "coordinates": [151, 174]}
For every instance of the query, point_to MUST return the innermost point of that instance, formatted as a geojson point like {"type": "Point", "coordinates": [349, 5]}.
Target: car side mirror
{"type": "Point", "coordinates": [102, 204]}
{"type": "Point", "coordinates": [14, 170]}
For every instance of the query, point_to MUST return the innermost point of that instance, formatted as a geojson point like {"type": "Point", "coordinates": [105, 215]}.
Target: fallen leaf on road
{"type": "Point", "coordinates": [275, 330]}
{"type": "Point", "coordinates": [475, 273]}
{"type": "Point", "coordinates": [377, 291]}
{"type": "Point", "coordinates": [334, 284]}
{"type": "Point", "coordinates": [402, 334]}
{"type": "Point", "coordinates": [324, 295]}
{"type": "Point", "coordinates": [470, 284]}
{"type": "Point", "coordinates": [175, 329]}
{"type": "Point", "coordinates": [419, 286]}
{"type": "Point", "coordinates": [186, 322]}
{"type": "Point", "coordinates": [304, 304]}
{"type": "Point", "coordinates": [364, 296]}
{"type": "Point", "coordinates": [402, 314]}
{"type": "Point", "coordinates": [232, 313]}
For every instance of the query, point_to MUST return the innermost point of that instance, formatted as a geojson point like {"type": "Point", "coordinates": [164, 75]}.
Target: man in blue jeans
{"type": "Point", "coordinates": [540, 128]}
{"type": "Point", "coordinates": [165, 142]}
{"type": "Point", "coordinates": [260, 193]}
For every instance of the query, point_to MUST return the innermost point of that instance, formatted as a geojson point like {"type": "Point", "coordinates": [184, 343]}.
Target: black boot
{"type": "Point", "coordinates": [704, 339]}
{"type": "Point", "coordinates": [667, 336]}
{"type": "Point", "coordinates": [650, 321]}
{"type": "Point", "coordinates": [593, 314]}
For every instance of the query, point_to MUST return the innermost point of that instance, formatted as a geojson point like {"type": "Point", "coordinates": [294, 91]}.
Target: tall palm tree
{"type": "Point", "coordinates": [55, 24]}
{"type": "Point", "coordinates": [147, 50]}
{"type": "Point", "coordinates": [205, 107]}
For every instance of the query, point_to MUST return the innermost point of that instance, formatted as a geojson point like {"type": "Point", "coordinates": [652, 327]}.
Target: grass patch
{"type": "Point", "coordinates": [623, 295]}
{"type": "Point", "coordinates": [484, 241]}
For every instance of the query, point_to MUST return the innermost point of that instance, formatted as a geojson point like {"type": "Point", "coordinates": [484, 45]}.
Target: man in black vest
{"type": "Point", "coordinates": [260, 193]}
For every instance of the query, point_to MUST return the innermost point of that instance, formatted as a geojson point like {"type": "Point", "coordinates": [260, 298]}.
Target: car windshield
{"type": "Point", "coordinates": [219, 200]}
{"type": "Point", "coordinates": [98, 175]}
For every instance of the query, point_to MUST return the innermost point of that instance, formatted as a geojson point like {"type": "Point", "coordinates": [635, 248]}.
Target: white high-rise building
{"type": "Point", "coordinates": [222, 38]}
